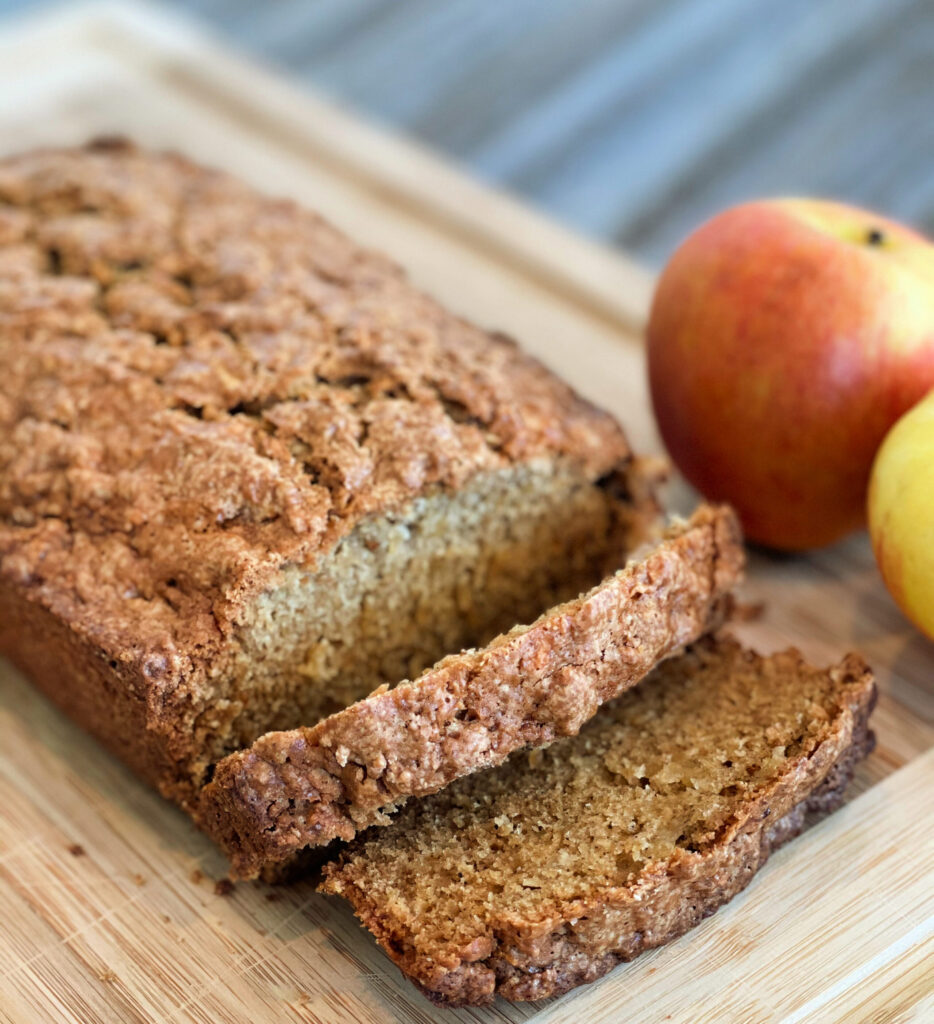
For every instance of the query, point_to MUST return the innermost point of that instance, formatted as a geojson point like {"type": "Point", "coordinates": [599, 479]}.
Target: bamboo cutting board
{"type": "Point", "coordinates": [108, 908]}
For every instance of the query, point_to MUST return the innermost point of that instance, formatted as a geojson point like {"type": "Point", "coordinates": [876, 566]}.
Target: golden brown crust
{"type": "Point", "coordinates": [199, 386]}
{"type": "Point", "coordinates": [581, 939]}
{"type": "Point", "coordinates": [308, 786]}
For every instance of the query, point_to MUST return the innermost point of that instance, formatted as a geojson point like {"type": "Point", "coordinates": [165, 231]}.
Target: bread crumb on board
{"type": "Point", "coordinates": [748, 611]}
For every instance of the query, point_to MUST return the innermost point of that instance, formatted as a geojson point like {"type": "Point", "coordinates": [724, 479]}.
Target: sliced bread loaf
{"type": "Point", "coordinates": [548, 871]}
{"type": "Point", "coordinates": [305, 787]}
{"type": "Point", "coordinates": [248, 471]}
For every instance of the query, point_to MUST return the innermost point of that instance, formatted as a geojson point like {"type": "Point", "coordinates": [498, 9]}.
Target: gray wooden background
{"type": "Point", "coordinates": [632, 119]}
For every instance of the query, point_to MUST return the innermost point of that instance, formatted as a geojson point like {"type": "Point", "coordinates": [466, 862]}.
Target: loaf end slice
{"type": "Point", "coordinates": [545, 873]}
{"type": "Point", "coordinates": [305, 787]}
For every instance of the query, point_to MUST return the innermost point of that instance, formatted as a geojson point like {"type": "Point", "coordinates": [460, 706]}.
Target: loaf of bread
{"type": "Point", "coordinates": [254, 485]}
{"type": "Point", "coordinates": [248, 473]}
{"type": "Point", "coordinates": [546, 872]}
{"type": "Point", "coordinates": [308, 786]}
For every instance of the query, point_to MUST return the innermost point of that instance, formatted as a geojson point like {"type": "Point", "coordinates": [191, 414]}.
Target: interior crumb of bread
{"type": "Point", "coordinates": [449, 571]}
{"type": "Point", "coordinates": [662, 768]}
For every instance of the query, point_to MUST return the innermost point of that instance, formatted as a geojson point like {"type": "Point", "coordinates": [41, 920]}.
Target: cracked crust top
{"type": "Point", "coordinates": [199, 384]}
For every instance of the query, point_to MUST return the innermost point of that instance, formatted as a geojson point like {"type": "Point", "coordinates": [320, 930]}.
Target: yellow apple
{"type": "Point", "coordinates": [786, 337]}
{"type": "Point", "coordinates": [901, 513]}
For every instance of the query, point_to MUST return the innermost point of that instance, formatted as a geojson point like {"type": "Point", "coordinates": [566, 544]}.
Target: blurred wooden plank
{"type": "Point", "coordinates": [715, 88]}
{"type": "Point", "coordinates": [296, 33]}
{"type": "Point", "coordinates": [611, 286]}
{"type": "Point", "coordinates": [859, 128]}
{"type": "Point", "coordinates": [553, 132]}
{"type": "Point", "coordinates": [533, 58]}
{"type": "Point", "coordinates": [396, 65]}
{"type": "Point", "coordinates": [635, 120]}
{"type": "Point", "coordinates": [631, 119]}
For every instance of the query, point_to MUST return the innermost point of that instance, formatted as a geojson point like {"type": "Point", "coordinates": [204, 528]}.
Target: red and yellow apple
{"type": "Point", "coordinates": [901, 513]}
{"type": "Point", "coordinates": [786, 337]}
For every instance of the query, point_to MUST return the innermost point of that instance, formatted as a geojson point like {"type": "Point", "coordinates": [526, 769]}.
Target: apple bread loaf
{"type": "Point", "coordinates": [546, 872]}
{"type": "Point", "coordinates": [308, 786]}
{"type": "Point", "coordinates": [248, 472]}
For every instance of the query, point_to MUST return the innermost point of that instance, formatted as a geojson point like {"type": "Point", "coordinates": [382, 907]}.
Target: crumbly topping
{"type": "Point", "coordinates": [199, 385]}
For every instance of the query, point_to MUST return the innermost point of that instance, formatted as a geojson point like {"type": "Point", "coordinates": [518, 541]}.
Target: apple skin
{"type": "Point", "coordinates": [901, 513]}
{"type": "Point", "coordinates": [785, 338]}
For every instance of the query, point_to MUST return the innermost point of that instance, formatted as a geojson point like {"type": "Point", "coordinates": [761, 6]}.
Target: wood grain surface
{"type": "Point", "coordinates": [108, 903]}
{"type": "Point", "coordinates": [632, 120]}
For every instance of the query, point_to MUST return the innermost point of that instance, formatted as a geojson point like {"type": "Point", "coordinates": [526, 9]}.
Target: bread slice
{"type": "Point", "coordinates": [545, 873]}
{"type": "Point", "coordinates": [305, 787]}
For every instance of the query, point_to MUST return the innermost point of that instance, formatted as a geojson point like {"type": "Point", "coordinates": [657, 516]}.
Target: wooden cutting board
{"type": "Point", "coordinates": [108, 908]}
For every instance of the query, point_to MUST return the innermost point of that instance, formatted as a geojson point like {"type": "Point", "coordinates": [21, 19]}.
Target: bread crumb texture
{"type": "Point", "coordinates": [472, 709]}
{"type": "Point", "coordinates": [547, 871]}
